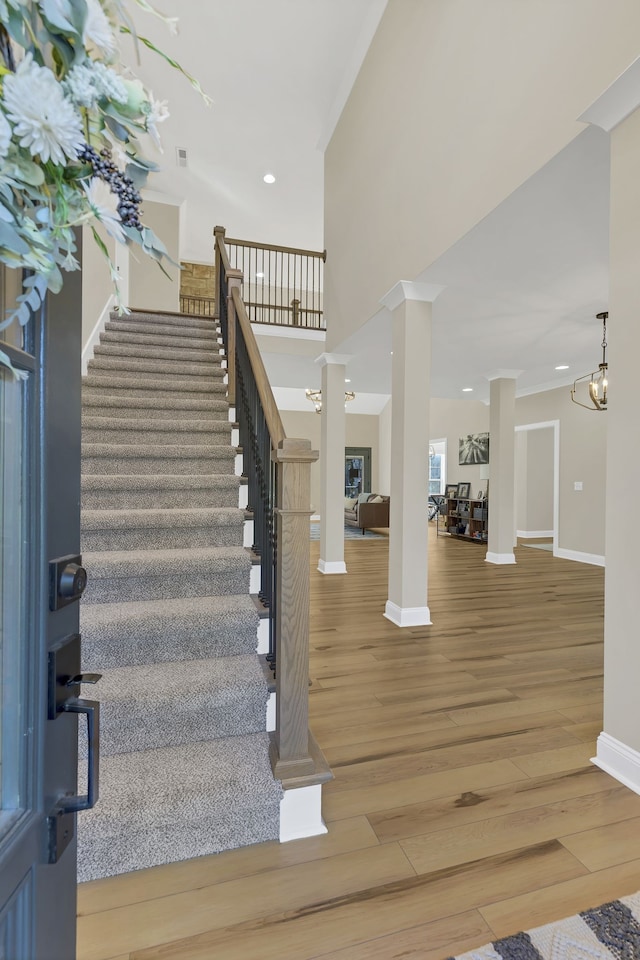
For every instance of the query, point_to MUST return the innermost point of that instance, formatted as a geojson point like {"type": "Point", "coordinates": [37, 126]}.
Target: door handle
{"type": "Point", "coordinates": [91, 709]}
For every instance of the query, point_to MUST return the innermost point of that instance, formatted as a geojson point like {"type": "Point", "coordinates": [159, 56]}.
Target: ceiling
{"type": "Point", "coordinates": [521, 289]}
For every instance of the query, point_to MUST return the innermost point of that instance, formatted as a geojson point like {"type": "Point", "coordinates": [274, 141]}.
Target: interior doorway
{"type": "Point", "coordinates": [538, 481]}
{"type": "Point", "coordinates": [357, 471]}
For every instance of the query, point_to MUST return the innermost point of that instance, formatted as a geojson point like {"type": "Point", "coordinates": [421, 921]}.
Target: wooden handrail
{"type": "Point", "coordinates": [319, 254]}
{"type": "Point", "coordinates": [271, 412]}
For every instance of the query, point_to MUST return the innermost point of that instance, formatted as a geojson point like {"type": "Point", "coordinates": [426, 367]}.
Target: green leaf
{"type": "Point", "coordinates": [6, 362]}
{"type": "Point", "coordinates": [117, 129]}
{"type": "Point", "coordinates": [58, 14]}
{"type": "Point", "coordinates": [11, 240]}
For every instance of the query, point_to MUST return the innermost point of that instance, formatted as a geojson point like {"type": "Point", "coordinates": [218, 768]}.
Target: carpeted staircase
{"type": "Point", "coordinates": [167, 617]}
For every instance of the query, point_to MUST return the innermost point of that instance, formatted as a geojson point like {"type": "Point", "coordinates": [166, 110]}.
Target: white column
{"type": "Point", "coordinates": [502, 466]}
{"type": "Point", "coordinates": [618, 749]}
{"type": "Point", "coordinates": [332, 443]}
{"type": "Point", "coordinates": [410, 305]}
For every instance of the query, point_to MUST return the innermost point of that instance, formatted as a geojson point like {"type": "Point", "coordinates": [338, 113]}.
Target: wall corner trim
{"type": "Point", "coordinates": [618, 760]}
{"type": "Point", "coordinates": [617, 102]}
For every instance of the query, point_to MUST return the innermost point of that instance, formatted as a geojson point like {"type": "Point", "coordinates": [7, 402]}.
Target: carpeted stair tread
{"type": "Point", "coordinates": [120, 575]}
{"type": "Point", "coordinates": [168, 458]}
{"type": "Point", "coordinates": [96, 384]}
{"type": "Point", "coordinates": [181, 321]}
{"type": "Point", "coordinates": [156, 408]}
{"type": "Point", "coordinates": [131, 491]}
{"type": "Point", "coordinates": [124, 634]}
{"type": "Point", "coordinates": [160, 806]}
{"type": "Point", "coordinates": [153, 432]}
{"type": "Point", "coordinates": [153, 518]}
{"type": "Point", "coordinates": [150, 352]}
{"type": "Point", "coordinates": [139, 367]}
{"type": "Point", "coordinates": [165, 704]}
{"type": "Point", "coordinates": [199, 340]}
{"type": "Point", "coordinates": [159, 529]}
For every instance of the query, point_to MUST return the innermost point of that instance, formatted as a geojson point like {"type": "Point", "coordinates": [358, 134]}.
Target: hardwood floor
{"type": "Point", "coordinates": [464, 805]}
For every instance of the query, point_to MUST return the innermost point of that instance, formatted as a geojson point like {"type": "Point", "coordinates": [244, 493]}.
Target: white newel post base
{"type": "Point", "coordinates": [301, 813]}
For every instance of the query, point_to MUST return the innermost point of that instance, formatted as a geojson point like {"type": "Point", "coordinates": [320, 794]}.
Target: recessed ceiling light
{"type": "Point", "coordinates": [347, 381]}
{"type": "Point", "coordinates": [259, 276]}
{"type": "Point", "coordinates": [269, 178]}
{"type": "Point", "coordinates": [562, 366]}
{"type": "Point", "coordinates": [467, 389]}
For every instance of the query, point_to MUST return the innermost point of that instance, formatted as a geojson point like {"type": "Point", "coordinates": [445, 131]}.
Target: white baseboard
{"type": "Point", "coordinates": [239, 465]}
{"type": "Point", "coordinates": [596, 559]}
{"type": "Point", "coordinates": [619, 761]}
{"type": "Point", "coordinates": [301, 813]}
{"type": "Point", "coordinates": [235, 437]}
{"type": "Point", "coordinates": [533, 534]}
{"type": "Point", "coordinates": [332, 566]}
{"type": "Point", "coordinates": [243, 496]}
{"type": "Point", "coordinates": [255, 578]}
{"type": "Point", "coordinates": [499, 557]}
{"type": "Point", "coordinates": [94, 337]}
{"type": "Point", "coordinates": [232, 414]}
{"type": "Point", "coordinates": [407, 616]}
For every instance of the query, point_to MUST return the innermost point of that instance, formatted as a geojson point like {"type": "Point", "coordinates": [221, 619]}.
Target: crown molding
{"type": "Point", "coordinates": [617, 102]}
{"type": "Point", "coordinates": [504, 375]}
{"type": "Point", "coordinates": [326, 358]}
{"type": "Point", "coordinates": [408, 290]}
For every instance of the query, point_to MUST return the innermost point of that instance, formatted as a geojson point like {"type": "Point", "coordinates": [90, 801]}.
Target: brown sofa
{"type": "Point", "coordinates": [368, 513]}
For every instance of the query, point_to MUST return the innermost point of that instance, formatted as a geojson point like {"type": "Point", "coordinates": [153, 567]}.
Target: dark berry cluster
{"type": "Point", "coordinates": [123, 186]}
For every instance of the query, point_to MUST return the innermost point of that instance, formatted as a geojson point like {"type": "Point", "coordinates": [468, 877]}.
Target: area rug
{"type": "Point", "coordinates": [609, 932]}
{"type": "Point", "coordinates": [350, 533]}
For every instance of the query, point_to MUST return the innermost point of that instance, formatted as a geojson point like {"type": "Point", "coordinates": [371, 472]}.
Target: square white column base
{"type": "Point", "coordinates": [301, 813]}
{"type": "Point", "coordinates": [618, 760]}
{"type": "Point", "coordinates": [332, 566]}
{"type": "Point", "coordinates": [407, 616]}
{"type": "Point", "coordinates": [499, 557]}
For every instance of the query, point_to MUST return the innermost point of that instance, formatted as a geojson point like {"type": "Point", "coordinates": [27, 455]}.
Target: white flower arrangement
{"type": "Point", "coordinates": [71, 118]}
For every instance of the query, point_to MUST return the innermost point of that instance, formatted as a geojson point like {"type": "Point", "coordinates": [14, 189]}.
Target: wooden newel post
{"type": "Point", "coordinates": [234, 279]}
{"type": "Point", "coordinates": [290, 747]}
{"type": "Point", "coordinates": [218, 234]}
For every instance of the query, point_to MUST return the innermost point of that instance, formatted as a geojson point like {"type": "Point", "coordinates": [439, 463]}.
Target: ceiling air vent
{"type": "Point", "coordinates": [181, 156]}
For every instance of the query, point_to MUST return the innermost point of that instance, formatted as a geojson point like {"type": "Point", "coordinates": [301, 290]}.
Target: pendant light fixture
{"type": "Point", "coordinates": [597, 382]}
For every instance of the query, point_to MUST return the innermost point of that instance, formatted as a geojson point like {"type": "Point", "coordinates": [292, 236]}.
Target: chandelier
{"type": "Point", "coordinates": [598, 383]}
{"type": "Point", "coordinates": [315, 396]}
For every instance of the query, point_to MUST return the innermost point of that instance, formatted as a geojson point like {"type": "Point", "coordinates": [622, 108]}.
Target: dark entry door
{"type": "Point", "coordinates": [39, 619]}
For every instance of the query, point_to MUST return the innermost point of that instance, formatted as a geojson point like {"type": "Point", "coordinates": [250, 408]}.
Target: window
{"type": "Point", "coordinates": [437, 466]}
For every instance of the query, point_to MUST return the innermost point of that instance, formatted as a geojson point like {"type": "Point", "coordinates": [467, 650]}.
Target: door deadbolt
{"type": "Point", "coordinates": [67, 581]}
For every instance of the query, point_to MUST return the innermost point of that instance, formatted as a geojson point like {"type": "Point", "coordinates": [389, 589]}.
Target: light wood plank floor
{"type": "Point", "coordinates": [464, 805]}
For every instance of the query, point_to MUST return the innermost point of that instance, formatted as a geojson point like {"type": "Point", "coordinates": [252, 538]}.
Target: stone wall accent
{"type": "Point", "coordinates": [197, 280]}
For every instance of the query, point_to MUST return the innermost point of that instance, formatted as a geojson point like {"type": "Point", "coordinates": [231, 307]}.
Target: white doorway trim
{"type": "Point", "coordinates": [555, 426]}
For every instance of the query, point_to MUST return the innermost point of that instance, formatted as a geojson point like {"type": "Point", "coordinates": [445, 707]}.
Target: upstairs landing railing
{"type": "Point", "coordinates": [282, 285]}
{"type": "Point", "coordinates": [278, 471]}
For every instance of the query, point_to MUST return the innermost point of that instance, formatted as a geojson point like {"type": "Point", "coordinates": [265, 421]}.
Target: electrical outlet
{"type": "Point", "coordinates": [577, 484]}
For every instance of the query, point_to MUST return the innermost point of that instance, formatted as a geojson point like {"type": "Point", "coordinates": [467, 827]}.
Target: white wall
{"type": "Point", "coordinates": [97, 287]}
{"type": "Point", "coordinates": [456, 105]}
{"type": "Point", "coordinates": [149, 288]}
